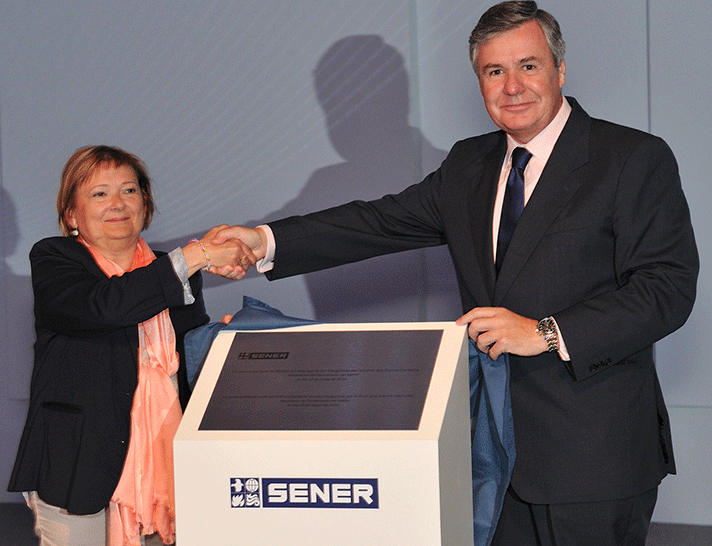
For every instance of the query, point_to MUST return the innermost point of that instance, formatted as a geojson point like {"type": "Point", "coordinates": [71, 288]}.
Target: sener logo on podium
{"type": "Point", "coordinates": [303, 493]}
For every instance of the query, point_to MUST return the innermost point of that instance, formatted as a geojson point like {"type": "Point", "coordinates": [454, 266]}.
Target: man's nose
{"type": "Point", "coordinates": [513, 85]}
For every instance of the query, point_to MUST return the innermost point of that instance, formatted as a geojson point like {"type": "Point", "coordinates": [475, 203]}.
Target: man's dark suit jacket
{"type": "Point", "coordinates": [74, 444]}
{"type": "Point", "coordinates": [605, 245]}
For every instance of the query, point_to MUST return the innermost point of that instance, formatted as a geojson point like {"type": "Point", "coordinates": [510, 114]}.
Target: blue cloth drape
{"type": "Point", "coordinates": [493, 450]}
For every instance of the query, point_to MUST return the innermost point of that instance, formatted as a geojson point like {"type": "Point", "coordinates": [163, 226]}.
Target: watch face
{"type": "Point", "coordinates": [546, 325]}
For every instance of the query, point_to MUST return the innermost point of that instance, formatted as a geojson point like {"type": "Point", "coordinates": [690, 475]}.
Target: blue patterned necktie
{"type": "Point", "coordinates": [513, 202]}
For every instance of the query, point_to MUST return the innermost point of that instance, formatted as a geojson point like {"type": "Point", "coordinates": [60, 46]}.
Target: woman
{"type": "Point", "coordinates": [95, 459]}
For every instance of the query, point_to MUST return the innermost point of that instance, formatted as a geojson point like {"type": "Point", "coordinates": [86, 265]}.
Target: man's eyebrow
{"type": "Point", "coordinates": [525, 60]}
{"type": "Point", "coordinates": [490, 66]}
{"type": "Point", "coordinates": [529, 59]}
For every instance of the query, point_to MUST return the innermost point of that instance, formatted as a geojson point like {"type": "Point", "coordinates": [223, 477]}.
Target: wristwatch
{"type": "Point", "coordinates": [547, 329]}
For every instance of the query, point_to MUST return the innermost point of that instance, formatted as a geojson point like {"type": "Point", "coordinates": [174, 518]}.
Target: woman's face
{"type": "Point", "coordinates": [109, 209]}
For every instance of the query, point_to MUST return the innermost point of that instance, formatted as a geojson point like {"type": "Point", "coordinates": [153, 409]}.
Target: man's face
{"type": "Point", "coordinates": [519, 83]}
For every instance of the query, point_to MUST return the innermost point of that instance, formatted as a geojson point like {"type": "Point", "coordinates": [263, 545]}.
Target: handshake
{"type": "Point", "coordinates": [225, 250]}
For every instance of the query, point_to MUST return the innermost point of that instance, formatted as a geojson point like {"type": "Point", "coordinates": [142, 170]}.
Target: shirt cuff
{"type": "Point", "coordinates": [563, 352]}
{"type": "Point", "coordinates": [267, 263]}
{"type": "Point", "coordinates": [181, 269]}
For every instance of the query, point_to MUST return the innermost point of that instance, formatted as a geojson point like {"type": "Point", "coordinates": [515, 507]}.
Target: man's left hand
{"type": "Point", "coordinates": [497, 330]}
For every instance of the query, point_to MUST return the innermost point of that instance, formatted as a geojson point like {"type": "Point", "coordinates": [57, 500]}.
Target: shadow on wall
{"type": "Point", "coordinates": [362, 86]}
{"type": "Point", "coordinates": [16, 338]}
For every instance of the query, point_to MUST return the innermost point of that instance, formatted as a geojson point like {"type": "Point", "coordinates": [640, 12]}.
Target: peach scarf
{"type": "Point", "coordinates": [144, 500]}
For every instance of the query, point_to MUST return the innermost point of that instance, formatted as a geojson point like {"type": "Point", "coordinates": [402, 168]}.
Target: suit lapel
{"type": "Point", "coordinates": [557, 184]}
{"type": "Point", "coordinates": [481, 197]}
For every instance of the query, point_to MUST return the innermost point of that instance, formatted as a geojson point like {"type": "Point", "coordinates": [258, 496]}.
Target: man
{"type": "Point", "coordinates": [602, 263]}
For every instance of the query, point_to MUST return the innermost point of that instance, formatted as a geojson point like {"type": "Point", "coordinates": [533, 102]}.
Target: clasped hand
{"type": "Point", "coordinates": [229, 255]}
{"type": "Point", "coordinates": [252, 241]}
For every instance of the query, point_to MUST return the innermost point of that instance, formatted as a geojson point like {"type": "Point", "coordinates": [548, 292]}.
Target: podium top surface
{"type": "Point", "coordinates": [350, 377]}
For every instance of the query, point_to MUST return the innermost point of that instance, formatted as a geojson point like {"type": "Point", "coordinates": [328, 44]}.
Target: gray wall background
{"type": "Point", "coordinates": [245, 110]}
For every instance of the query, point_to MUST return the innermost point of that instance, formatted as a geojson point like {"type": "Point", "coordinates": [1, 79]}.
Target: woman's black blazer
{"type": "Point", "coordinates": [76, 436]}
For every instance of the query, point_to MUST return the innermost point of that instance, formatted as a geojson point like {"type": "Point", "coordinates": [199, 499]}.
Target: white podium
{"type": "Point", "coordinates": [345, 434]}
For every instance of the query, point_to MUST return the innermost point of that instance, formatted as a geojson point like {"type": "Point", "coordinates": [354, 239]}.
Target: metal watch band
{"type": "Point", "coordinates": [547, 329]}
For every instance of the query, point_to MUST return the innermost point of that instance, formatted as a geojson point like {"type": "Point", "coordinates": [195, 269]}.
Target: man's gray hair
{"type": "Point", "coordinates": [508, 15]}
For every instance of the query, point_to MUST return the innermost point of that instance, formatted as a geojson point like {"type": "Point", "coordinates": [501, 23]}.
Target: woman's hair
{"type": "Point", "coordinates": [84, 163]}
{"type": "Point", "coordinates": [508, 15]}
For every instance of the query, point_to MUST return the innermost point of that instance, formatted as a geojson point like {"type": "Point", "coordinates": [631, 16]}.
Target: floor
{"type": "Point", "coordinates": [16, 527]}
{"type": "Point", "coordinates": [679, 535]}
{"type": "Point", "coordinates": [16, 530]}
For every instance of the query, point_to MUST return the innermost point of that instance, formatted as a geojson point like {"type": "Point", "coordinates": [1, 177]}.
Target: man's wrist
{"type": "Point", "coordinates": [546, 328]}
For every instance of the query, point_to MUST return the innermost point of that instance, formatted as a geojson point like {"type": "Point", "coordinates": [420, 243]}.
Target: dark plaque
{"type": "Point", "coordinates": [340, 380]}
